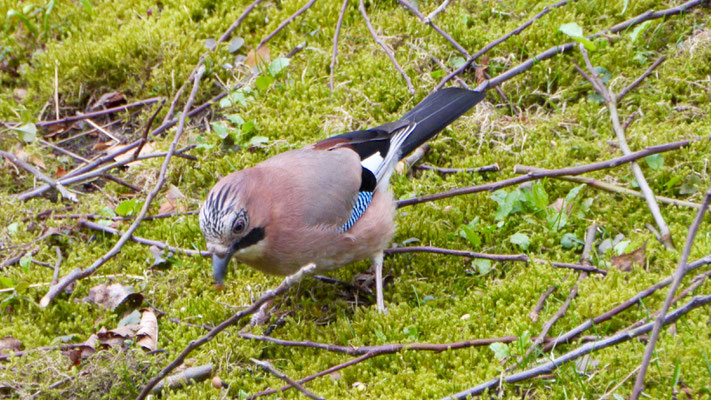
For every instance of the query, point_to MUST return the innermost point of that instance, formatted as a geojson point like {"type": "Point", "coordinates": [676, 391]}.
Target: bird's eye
{"type": "Point", "coordinates": [239, 225]}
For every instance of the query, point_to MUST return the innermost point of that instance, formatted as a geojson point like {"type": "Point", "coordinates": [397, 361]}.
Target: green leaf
{"type": "Point", "coordinates": [483, 265]}
{"type": "Point", "coordinates": [604, 74]}
{"type": "Point", "coordinates": [28, 132]}
{"type": "Point", "coordinates": [236, 44]}
{"type": "Point", "coordinates": [557, 220]}
{"type": "Point", "coordinates": [234, 98]}
{"type": "Point", "coordinates": [537, 198]}
{"type": "Point", "coordinates": [235, 119]}
{"type": "Point", "coordinates": [25, 262]}
{"type": "Point", "coordinates": [621, 247]}
{"type": "Point", "coordinates": [569, 241]}
{"type": "Point", "coordinates": [6, 282]}
{"type": "Point", "coordinates": [12, 228]}
{"type": "Point", "coordinates": [21, 287]}
{"type": "Point", "coordinates": [474, 238]}
{"type": "Point", "coordinates": [126, 207]}
{"type": "Point", "coordinates": [573, 193]}
{"type": "Point", "coordinates": [263, 82]}
{"type": "Point", "coordinates": [278, 65]}
{"type": "Point", "coordinates": [575, 31]}
{"type": "Point", "coordinates": [258, 140]}
{"type": "Point", "coordinates": [655, 161]}
{"type": "Point", "coordinates": [521, 240]}
{"type": "Point", "coordinates": [107, 212]}
{"type": "Point", "coordinates": [437, 74]}
{"type": "Point", "coordinates": [87, 7]}
{"type": "Point", "coordinates": [249, 127]}
{"type": "Point", "coordinates": [130, 319]}
{"type": "Point", "coordinates": [501, 350]}
{"type": "Point", "coordinates": [457, 62]}
{"type": "Point", "coordinates": [638, 30]}
{"type": "Point", "coordinates": [220, 129]}
{"type": "Point", "coordinates": [16, 14]}
{"type": "Point", "coordinates": [690, 185]}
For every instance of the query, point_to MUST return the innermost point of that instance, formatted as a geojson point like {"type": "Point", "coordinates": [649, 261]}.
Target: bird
{"type": "Point", "coordinates": [328, 203]}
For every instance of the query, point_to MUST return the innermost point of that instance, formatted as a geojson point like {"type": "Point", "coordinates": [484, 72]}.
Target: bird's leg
{"type": "Point", "coordinates": [378, 265]}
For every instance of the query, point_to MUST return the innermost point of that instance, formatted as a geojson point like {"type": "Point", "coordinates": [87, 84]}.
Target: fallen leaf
{"type": "Point", "coordinates": [108, 100]}
{"type": "Point", "coordinates": [174, 193]}
{"type": "Point", "coordinates": [148, 334]}
{"type": "Point", "coordinates": [480, 70]}
{"type": "Point", "coordinates": [9, 344]}
{"type": "Point", "coordinates": [261, 56]}
{"type": "Point", "coordinates": [160, 259]}
{"type": "Point", "coordinates": [114, 295]}
{"type": "Point", "coordinates": [118, 337]}
{"type": "Point", "coordinates": [78, 352]}
{"type": "Point", "coordinates": [166, 207]}
{"type": "Point", "coordinates": [101, 146]}
{"type": "Point", "coordinates": [60, 172]}
{"type": "Point", "coordinates": [624, 262]}
{"type": "Point", "coordinates": [38, 162]}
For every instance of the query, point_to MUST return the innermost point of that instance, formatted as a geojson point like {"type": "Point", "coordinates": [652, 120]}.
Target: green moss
{"type": "Point", "coordinates": [145, 49]}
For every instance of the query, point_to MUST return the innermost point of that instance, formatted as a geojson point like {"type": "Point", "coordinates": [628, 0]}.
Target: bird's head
{"type": "Point", "coordinates": [229, 223]}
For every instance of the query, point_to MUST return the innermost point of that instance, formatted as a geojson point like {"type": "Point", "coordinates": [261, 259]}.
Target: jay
{"type": "Point", "coordinates": [328, 203]}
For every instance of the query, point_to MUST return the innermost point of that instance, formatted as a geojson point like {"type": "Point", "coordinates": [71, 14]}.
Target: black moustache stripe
{"type": "Point", "coordinates": [254, 236]}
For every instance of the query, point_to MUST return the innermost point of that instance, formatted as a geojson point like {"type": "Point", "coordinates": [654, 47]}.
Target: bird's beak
{"type": "Point", "coordinates": [219, 269]}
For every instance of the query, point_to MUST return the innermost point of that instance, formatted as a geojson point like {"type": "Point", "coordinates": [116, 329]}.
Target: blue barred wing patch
{"type": "Point", "coordinates": [362, 202]}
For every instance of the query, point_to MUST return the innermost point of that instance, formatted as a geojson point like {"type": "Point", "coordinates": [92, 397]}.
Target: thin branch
{"type": "Point", "coordinates": [611, 103]}
{"type": "Point", "coordinates": [493, 257]}
{"type": "Point", "coordinates": [115, 218]}
{"type": "Point", "coordinates": [286, 22]}
{"type": "Point", "coordinates": [568, 336]}
{"type": "Point", "coordinates": [147, 242]}
{"type": "Point", "coordinates": [438, 10]}
{"type": "Point", "coordinates": [434, 26]}
{"type": "Point", "coordinates": [521, 169]}
{"type": "Point", "coordinates": [239, 20]}
{"type": "Point", "coordinates": [39, 175]}
{"type": "Point", "coordinates": [553, 173]}
{"type": "Point", "coordinates": [95, 114]}
{"type": "Point", "coordinates": [678, 276]}
{"type": "Point", "coordinates": [498, 41]}
{"type": "Point", "coordinates": [267, 296]}
{"type": "Point", "coordinates": [487, 168]}
{"type": "Point", "coordinates": [639, 80]}
{"type": "Point", "coordinates": [385, 48]}
{"type": "Point", "coordinates": [55, 274]}
{"type": "Point", "coordinates": [144, 139]}
{"type": "Point", "coordinates": [270, 368]}
{"type": "Point", "coordinates": [588, 348]}
{"type": "Point", "coordinates": [541, 301]}
{"type": "Point", "coordinates": [334, 56]}
{"type": "Point", "coordinates": [79, 273]}
{"type": "Point", "coordinates": [184, 378]}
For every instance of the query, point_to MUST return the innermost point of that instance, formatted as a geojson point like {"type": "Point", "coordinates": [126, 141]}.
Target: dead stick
{"type": "Point", "coordinates": [438, 10]}
{"type": "Point", "coordinates": [286, 22]}
{"type": "Point", "coordinates": [498, 41]}
{"type": "Point", "coordinates": [611, 103]}
{"type": "Point", "coordinates": [79, 273]}
{"type": "Point", "coordinates": [55, 274]}
{"type": "Point", "coordinates": [334, 56]}
{"type": "Point", "coordinates": [575, 332]}
{"type": "Point", "coordinates": [434, 26]}
{"type": "Point", "coordinates": [539, 305]}
{"type": "Point", "coordinates": [239, 20]}
{"type": "Point", "coordinates": [639, 80]}
{"type": "Point", "coordinates": [80, 117]}
{"type": "Point", "coordinates": [39, 175]}
{"type": "Point", "coordinates": [269, 295]}
{"type": "Point", "coordinates": [678, 276]}
{"type": "Point", "coordinates": [487, 168]}
{"type": "Point", "coordinates": [270, 368]}
{"type": "Point", "coordinates": [553, 173]}
{"type": "Point", "coordinates": [520, 169]}
{"type": "Point", "coordinates": [385, 48]}
{"type": "Point", "coordinates": [588, 348]}
{"type": "Point", "coordinates": [184, 378]}
{"type": "Point", "coordinates": [144, 139]}
{"type": "Point", "coordinates": [493, 257]}
{"type": "Point", "coordinates": [148, 242]}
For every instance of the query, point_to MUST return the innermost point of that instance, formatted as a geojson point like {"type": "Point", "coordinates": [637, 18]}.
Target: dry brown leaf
{"type": "Point", "coordinates": [560, 204]}
{"type": "Point", "coordinates": [261, 56]}
{"type": "Point", "coordinates": [38, 162]}
{"type": "Point", "coordinates": [148, 334]}
{"type": "Point", "coordinates": [108, 100]}
{"type": "Point", "coordinates": [78, 352]}
{"type": "Point", "coordinates": [624, 262]}
{"type": "Point", "coordinates": [9, 344]}
{"type": "Point", "coordinates": [166, 207]}
{"type": "Point", "coordinates": [114, 295]}
{"type": "Point", "coordinates": [60, 172]}
{"type": "Point", "coordinates": [480, 70]}
{"type": "Point", "coordinates": [21, 154]}
{"type": "Point", "coordinates": [174, 193]}
{"type": "Point", "coordinates": [117, 337]}
{"type": "Point", "coordinates": [101, 146]}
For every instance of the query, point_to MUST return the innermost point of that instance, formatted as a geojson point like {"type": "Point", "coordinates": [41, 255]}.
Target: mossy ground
{"type": "Point", "coordinates": [121, 46]}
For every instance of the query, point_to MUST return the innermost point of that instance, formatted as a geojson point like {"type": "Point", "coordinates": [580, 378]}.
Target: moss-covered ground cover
{"type": "Point", "coordinates": [143, 49]}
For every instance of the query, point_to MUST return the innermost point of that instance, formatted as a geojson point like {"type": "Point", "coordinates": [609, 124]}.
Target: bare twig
{"type": "Point", "coordinates": [144, 139]}
{"type": "Point", "coordinates": [639, 80]}
{"type": "Point", "coordinates": [487, 168]}
{"type": "Point", "coordinates": [552, 173]}
{"type": "Point", "coordinates": [115, 218]}
{"type": "Point", "coordinates": [406, 163]}
{"type": "Point", "coordinates": [611, 103]}
{"type": "Point", "coordinates": [334, 56]}
{"type": "Point", "coordinates": [57, 264]}
{"type": "Point", "coordinates": [270, 368]}
{"type": "Point", "coordinates": [588, 348]}
{"type": "Point", "coordinates": [493, 257]}
{"type": "Point", "coordinates": [385, 48]}
{"type": "Point", "coordinates": [286, 22]}
{"type": "Point", "coordinates": [434, 26]}
{"type": "Point", "coordinates": [267, 296]}
{"type": "Point", "coordinates": [520, 169]}
{"type": "Point", "coordinates": [39, 175]}
{"type": "Point", "coordinates": [681, 270]}
{"type": "Point", "coordinates": [95, 114]}
{"type": "Point", "coordinates": [539, 305]}
{"type": "Point", "coordinates": [575, 332]}
{"type": "Point", "coordinates": [498, 41]}
{"type": "Point", "coordinates": [184, 378]}
{"type": "Point", "coordinates": [438, 10]}
{"type": "Point", "coordinates": [147, 242]}
{"type": "Point", "coordinates": [79, 273]}
{"type": "Point", "coordinates": [239, 20]}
